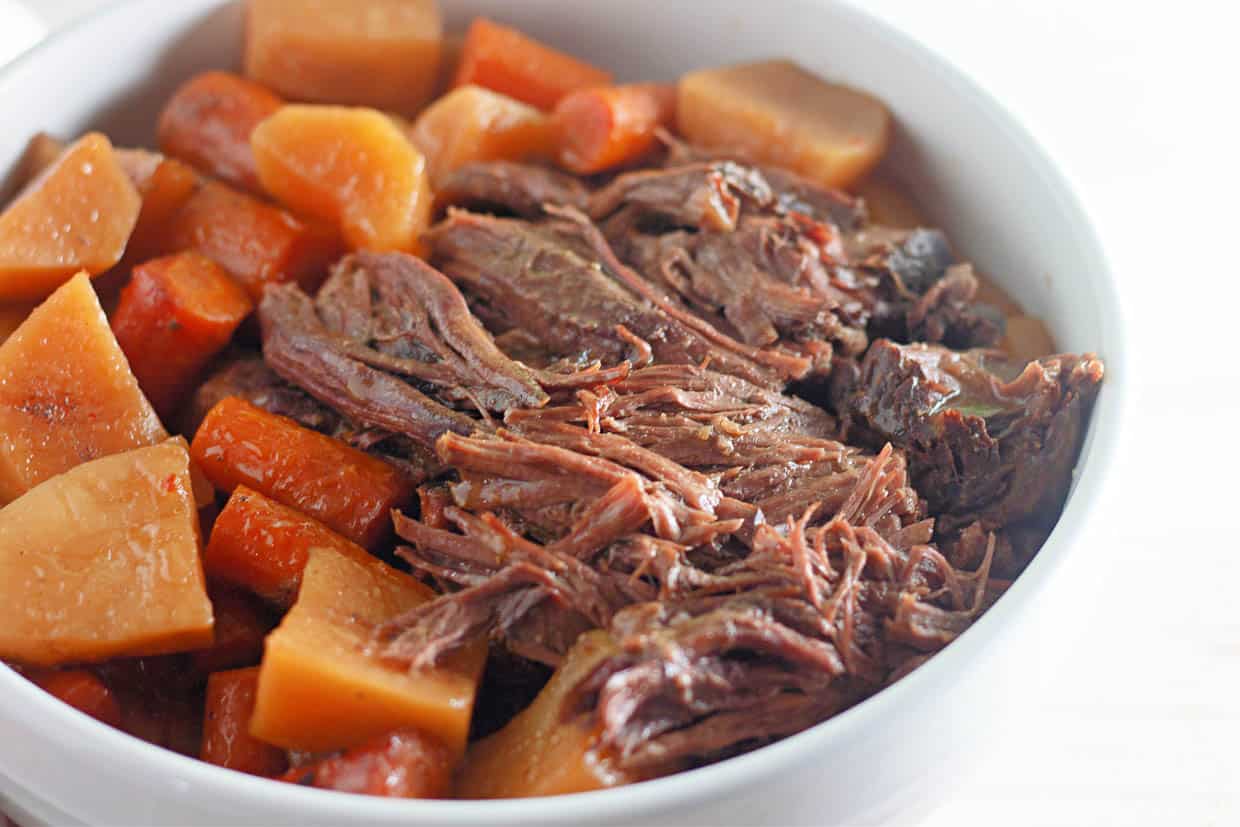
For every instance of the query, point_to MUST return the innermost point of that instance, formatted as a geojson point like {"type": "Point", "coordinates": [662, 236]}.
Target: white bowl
{"type": "Point", "coordinates": [982, 177]}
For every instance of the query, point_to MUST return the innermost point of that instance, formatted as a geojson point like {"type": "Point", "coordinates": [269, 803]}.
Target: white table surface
{"type": "Point", "coordinates": [1136, 100]}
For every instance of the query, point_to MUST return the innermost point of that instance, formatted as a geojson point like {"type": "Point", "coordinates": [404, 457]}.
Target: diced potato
{"type": "Point", "coordinates": [103, 561]}
{"type": "Point", "coordinates": [1027, 339]}
{"type": "Point", "coordinates": [66, 393]}
{"type": "Point", "coordinates": [776, 112]}
{"type": "Point", "coordinates": [381, 53]}
{"type": "Point", "coordinates": [540, 752]}
{"type": "Point", "coordinates": [77, 215]}
{"type": "Point", "coordinates": [321, 689]}
{"type": "Point", "coordinates": [476, 124]}
{"type": "Point", "coordinates": [889, 204]}
{"type": "Point", "coordinates": [351, 166]}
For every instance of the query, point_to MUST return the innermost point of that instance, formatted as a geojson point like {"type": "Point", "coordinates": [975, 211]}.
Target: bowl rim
{"type": "Point", "coordinates": [59, 722]}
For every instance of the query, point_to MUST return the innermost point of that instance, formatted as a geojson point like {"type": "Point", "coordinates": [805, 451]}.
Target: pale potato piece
{"type": "Point", "coordinates": [775, 112]}
{"type": "Point", "coordinates": [67, 394]}
{"type": "Point", "coordinates": [320, 687]}
{"type": "Point", "coordinates": [475, 124]}
{"type": "Point", "coordinates": [76, 215]}
{"type": "Point", "coordinates": [103, 561]}
{"type": "Point", "coordinates": [381, 53]}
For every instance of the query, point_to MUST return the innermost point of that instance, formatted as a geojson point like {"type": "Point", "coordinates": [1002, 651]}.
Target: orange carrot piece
{"type": "Point", "coordinates": [403, 764]}
{"type": "Point", "coordinates": [165, 185]}
{"type": "Point", "coordinates": [226, 739]}
{"type": "Point", "coordinates": [208, 121]}
{"type": "Point", "coordinates": [607, 126]}
{"type": "Point", "coordinates": [348, 490]}
{"type": "Point", "coordinates": [507, 61]}
{"type": "Point", "coordinates": [241, 625]}
{"type": "Point", "coordinates": [83, 690]}
{"type": "Point", "coordinates": [262, 546]}
{"type": "Point", "coordinates": [174, 316]}
{"type": "Point", "coordinates": [255, 242]}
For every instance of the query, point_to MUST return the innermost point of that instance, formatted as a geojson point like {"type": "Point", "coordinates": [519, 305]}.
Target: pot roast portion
{"type": "Point", "coordinates": [597, 381]}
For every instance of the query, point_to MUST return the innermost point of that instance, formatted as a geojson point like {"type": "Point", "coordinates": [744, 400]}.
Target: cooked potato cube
{"type": "Point", "coordinates": [103, 561]}
{"type": "Point", "coordinates": [76, 215]}
{"type": "Point", "coordinates": [381, 53]}
{"type": "Point", "coordinates": [775, 112]}
{"type": "Point", "coordinates": [67, 394]}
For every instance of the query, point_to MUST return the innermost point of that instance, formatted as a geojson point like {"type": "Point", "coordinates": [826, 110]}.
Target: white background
{"type": "Point", "coordinates": [1137, 102]}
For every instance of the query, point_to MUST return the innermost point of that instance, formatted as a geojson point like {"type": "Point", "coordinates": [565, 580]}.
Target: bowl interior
{"type": "Point", "coordinates": [974, 169]}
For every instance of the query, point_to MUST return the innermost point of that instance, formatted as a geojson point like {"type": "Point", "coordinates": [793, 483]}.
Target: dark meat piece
{"type": "Point", "coordinates": [546, 280]}
{"type": "Point", "coordinates": [409, 319]}
{"type": "Point", "coordinates": [790, 635]}
{"type": "Point", "coordinates": [517, 189]}
{"type": "Point", "coordinates": [299, 347]}
{"type": "Point", "coordinates": [979, 447]}
{"type": "Point", "coordinates": [766, 281]}
{"type": "Point", "coordinates": [919, 291]}
{"type": "Point", "coordinates": [694, 196]}
{"type": "Point", "coordinates": [249, 378]}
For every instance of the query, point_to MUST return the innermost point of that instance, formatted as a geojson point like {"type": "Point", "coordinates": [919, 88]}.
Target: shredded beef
{"type": "Point", "coordinates": [980, 447]}
{"type": "Point", "coordinates": [507, 187]}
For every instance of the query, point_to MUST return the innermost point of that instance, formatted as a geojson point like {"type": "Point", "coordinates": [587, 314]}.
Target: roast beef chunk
{"type": "Point", "coordinates": [982, 444]}
{"type": "Point", "coordinates": [510, 188]}
{"type": "Point", "coordinates": [548, 279]}
{"type": "Point", "coordinates": [919, 291]}
{"type": "Point", "coordinates": [300, 348]}
{"type": "Point", "coordinates": [407, 318]}
{"type": "Point", "coordinates": [695, 196]}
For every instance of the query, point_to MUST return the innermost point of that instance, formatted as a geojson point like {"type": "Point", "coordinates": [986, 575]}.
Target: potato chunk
{"type": "Point", "coordinates": [775, 112]}
{"type": "Point", "coordinates": [476, 124]}
{"type": "Point", "coordinates": [67, 394]}
{"type": "Point", "coordinates": [348, 165]}
{"type": "Point", "coordinates": [320, 689]}
{"type": "Point", "coordinates": [540, 752]}
{"type": "Point", "coordinates": [381, 53]}
{"type": "Point", "coordinates": [103, 561]}
{"type": "Point", "coordinates": [76, 215]}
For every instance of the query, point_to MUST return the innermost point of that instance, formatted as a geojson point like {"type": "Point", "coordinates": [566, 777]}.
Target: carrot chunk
{"type": "Point", "coordinates": [165, 185]}
{"type": "Point", "coordinates": [504, 59]}
{"type": "Point", "coordinates": [226, 738]}
{"type": "Point", "coordinates": [241, 625]}
{"type": "Point", "coordinates": [83, 690]}
{"type": "Point", "coordinates": [174, 316]}
{"type": "Point", "coordinates": [208, 121]}
{"type": "Point", "coordinates": [403, 764]}
{"type": "Point", "coordinates": [348, 490]}
{"type": "Point", "coordinates": [350, 166]}
{"type": "Point", "coordinates": [262, 546]}
{"type": "Point", "coordinates": [255, 242]}
{"type": "Point", "coordinates": [608, 126]}
{"type": "Point", "coordinates": [76, 215]}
